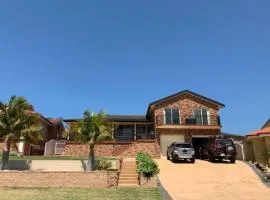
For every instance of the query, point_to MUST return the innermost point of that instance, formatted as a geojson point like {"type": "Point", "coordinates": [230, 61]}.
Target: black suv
{"type": "Point", "coordinates": [218, 148]}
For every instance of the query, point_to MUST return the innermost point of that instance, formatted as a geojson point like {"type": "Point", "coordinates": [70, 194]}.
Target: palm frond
{"type": "Point", "coordinates": [11, 137]}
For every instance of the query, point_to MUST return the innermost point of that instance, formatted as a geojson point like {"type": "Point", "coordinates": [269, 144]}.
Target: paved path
{"type": "Point", "coordinates": [211, 181]}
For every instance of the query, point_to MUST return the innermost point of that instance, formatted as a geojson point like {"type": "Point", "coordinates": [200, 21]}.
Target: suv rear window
{"type": "Point", "coordinates": [224, 142]}
{"type": "Point", "coordinates": [183, 145]}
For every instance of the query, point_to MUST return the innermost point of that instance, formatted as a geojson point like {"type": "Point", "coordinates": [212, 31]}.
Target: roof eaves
{"type": "Point", "coordinates": [266, 123]}
{"type": "Point", "coordinates": [180, 93]}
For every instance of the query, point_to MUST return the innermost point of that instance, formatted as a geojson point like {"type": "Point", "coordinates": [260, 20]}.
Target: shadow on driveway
{"type": "Point", "coordinates": [165, 194]}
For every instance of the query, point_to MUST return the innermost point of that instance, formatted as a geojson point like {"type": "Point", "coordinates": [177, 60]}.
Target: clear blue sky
{"type": "Point", "coordinates": [67, 56]}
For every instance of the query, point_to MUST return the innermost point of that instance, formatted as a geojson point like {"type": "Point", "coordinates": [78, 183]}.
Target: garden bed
{"type": "Point", "coordinates": [262, 172]}
{"type": "Point", "coordinates": [148, 170]}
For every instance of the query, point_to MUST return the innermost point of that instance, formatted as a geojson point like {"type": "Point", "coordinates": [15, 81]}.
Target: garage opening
{"type": "Point", "coordinates": [197, 143]}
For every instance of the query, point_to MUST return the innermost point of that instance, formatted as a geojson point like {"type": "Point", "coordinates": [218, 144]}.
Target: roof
{"type": "Point", "coordinates": [41, 116]}
{"type": "Point", "coordinates": [232, 135]}
{"type": "Point", "coordinates": [266, 124]}
{"type": "Point", "coordinates": [119, 118]}
{"type": "Point", "coordinates": [185, 92]}
{"type": "Point", "coordinates": [260, 132]}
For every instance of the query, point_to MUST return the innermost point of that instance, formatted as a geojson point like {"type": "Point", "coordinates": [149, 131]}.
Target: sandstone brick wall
{"type": "Point", "coordinates": [116, 149]}
{"type": "Point", "coordinates": [186, 103]}
{"type": "Point", "coordinates": [151, 182]}
{"type": "Point", "coordinates": [259, 149]}
{"type": "Point", "coordinates": [95, 179]}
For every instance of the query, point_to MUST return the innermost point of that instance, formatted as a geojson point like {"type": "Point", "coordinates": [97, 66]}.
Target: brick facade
{"type": "Point", "coordinates": [115, 149]}
{"type": "Point", "coordinates": [95, 179]}
{"type": "Point", "coordinates": [149, 182]}
{"type": "Point", "coordinates": [186, 103]}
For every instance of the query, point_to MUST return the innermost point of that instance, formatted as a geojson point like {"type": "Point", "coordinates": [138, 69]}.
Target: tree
{"type": "Point", "coordinates": [17, 119]}
{"type": "Point", "coordinates": [91, 130]}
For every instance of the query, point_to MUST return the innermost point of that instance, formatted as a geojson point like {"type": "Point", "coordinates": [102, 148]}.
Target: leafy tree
{"type": "Point", "coordinates": [91, 130]}
{"type": "Point", "coordinates": [17, 119]}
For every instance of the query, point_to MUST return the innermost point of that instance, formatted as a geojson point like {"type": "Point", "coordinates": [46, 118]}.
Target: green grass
{"type": "Point", "coordinates": [80, 194]}
{"type": "Point", "coordinates": [58, 158]}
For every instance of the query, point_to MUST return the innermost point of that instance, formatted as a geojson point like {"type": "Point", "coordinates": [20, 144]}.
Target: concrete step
{"type": "Point", "coordinates": [128, 175]}
{"type": "Point", "coordinates": [128, 185]}
{"type": "Point", "coordinates": [126, 169]}
{"type": "Point", "coordinates": [128, 166]}
{"type": "Point", "coordinates": [128, 182]}
{"type": "Point", "coordinates": [128, 178]}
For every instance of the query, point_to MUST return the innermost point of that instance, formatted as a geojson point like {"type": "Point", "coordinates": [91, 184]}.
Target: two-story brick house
{"type": "Point", "coordinates": [184, 116]}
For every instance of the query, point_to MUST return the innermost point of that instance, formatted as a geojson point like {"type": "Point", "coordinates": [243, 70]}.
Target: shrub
{"type": "Point", "coordinates": [141, 157]}
{"type": "Point", "coordinates": [146, 165]}
{"type": "Point", "coordinates": [103, 165]}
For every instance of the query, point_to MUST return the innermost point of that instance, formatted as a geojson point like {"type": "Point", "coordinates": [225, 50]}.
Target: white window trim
{"type": "Point", "coordinates": [164, 114]}
{"type": "Point", "coordinates": [208, 115]}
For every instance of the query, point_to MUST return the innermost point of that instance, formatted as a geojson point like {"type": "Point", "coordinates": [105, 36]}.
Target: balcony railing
{"type": "Point", "coordinates": [214, 120]}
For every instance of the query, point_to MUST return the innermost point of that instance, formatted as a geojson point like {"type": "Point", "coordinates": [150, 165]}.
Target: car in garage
{"type": "Point", "coordinates": [218, 148]}
{"type": "Point", "coordinates": [181, 151]}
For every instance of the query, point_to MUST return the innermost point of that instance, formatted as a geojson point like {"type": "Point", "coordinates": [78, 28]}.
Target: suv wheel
{"type": "Point", "coordinates": [232, 160]}
{"type": "Point", "coordinates": [211, 158]}
{"type": "Point", "coordinates": [192, 160]}
{"type": "Point", "coordinates": [168, 157]}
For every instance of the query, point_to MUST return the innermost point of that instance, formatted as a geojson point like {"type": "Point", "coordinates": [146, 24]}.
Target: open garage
{"type": "Point", "coordinates": [197, 142]}
{"type": "Point", "coordinates": [168, 139]}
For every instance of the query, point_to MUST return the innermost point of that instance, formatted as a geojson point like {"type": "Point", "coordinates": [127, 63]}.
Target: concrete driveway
{"type": "Point", "coordinates": [211, 181]}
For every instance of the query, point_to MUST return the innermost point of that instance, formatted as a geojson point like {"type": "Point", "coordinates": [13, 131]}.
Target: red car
{"type": "Point", "coordinates": [218, 148]}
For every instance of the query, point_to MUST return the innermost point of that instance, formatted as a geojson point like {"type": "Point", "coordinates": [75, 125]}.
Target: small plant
{"type": "Point", "coordinates": [103, 165]}
{"type": "Point", "coordinates": [146, 165]}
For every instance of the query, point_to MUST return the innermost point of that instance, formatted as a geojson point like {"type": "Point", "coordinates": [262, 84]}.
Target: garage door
{"type": "Point", "coordinates": [166, 140]}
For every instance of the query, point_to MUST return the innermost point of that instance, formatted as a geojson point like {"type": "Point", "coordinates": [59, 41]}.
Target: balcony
{"type": "Point", "coordinates": [190, 122]}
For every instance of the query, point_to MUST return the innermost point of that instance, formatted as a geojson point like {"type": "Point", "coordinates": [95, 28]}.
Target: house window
{"type": "Point", "coordinates": [124, 132]}
{"type": "Point", "coordinates": [144, 131]}
{"type": "Point", "coordinates": [172, 116]}
{"type": "Point", "coordinates": [202, 116]}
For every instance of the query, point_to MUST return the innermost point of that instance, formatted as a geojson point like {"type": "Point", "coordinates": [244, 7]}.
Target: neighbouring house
{"type": "Point", "coordinates": [235, 137]}
{"type": "Point", "coordinates": [257, 145]}
{"type": "Point", "coordinates": [51, 129]}
{"type": "Point", "coordinates": [184, 117]}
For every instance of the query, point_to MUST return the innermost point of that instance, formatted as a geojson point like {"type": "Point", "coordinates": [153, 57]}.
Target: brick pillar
{"type": "Point", "coordinates": [188, 137]}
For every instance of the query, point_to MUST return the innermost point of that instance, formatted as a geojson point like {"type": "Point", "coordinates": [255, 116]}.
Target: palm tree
{"type": "Point", "coordinates": [17, 119]}
{"type": "Point", "coordinates": [91, 130]}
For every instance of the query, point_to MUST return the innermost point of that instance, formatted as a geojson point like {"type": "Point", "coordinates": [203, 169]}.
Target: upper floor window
{"type": "Point", "coordinates": [202, 116]}
{"type": "Point", "coordinates": [172, 116]}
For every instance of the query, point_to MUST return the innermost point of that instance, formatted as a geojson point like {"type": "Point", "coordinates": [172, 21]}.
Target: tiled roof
{"type": "Point", "coordinates": [260, 132]}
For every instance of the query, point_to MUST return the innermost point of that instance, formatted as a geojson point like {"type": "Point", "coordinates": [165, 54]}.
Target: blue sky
{"type": "Point", "coordinates": [67, 56]}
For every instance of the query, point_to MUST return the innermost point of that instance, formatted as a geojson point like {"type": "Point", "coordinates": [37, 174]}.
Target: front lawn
{"type": "Point", "coordinates": [79, 194]}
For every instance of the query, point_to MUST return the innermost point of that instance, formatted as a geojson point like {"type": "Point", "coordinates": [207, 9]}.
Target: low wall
{"type": "Point", "coordinates": [53, 165]}
{"type": "Point", "coordinates": [148, 182]}
{"type": "Point", "coordinates": [115, 149]}
{"type": "Point", "coordinates": [96, 179]}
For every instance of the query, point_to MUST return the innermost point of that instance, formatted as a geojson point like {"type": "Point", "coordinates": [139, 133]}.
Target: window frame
{"type": "Point", "coordinates": [171, 116]}
{"type": "Point", "coordinates": [201, 116]}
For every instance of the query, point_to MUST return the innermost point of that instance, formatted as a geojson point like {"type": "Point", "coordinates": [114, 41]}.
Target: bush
{"type": "Point", "coordinates": [146, 165]}
{"type": "Point", "coordinates": [103, 165]}
{"type": "Point", "coordinates": [141, 157]}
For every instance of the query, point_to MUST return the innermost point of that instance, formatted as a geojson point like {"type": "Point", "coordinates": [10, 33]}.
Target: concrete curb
{"type": "Point", "coordinates": [259, 174]}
